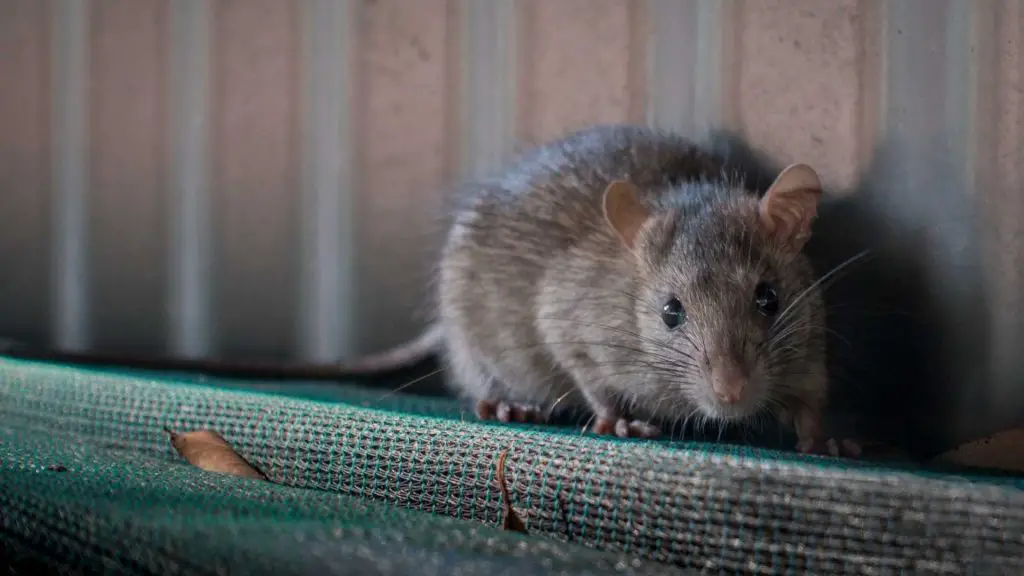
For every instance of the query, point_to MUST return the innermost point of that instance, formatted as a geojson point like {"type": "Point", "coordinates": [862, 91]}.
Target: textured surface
{"type": "Point", "coordinates": [273, 172]}
{"type": "Point", "coordinates": [91, 506]}
{"type": "Point", "coordinates": [403, 485]}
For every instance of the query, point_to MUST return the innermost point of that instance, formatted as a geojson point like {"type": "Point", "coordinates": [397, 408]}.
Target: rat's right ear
{"type": "Point", "coordinates": [623, 211]}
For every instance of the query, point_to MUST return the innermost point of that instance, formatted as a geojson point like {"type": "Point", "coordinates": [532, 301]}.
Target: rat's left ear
{"type": "Point", "coordinates": [790, 206]}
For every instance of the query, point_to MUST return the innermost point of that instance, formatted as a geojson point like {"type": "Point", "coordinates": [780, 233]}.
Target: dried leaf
{"type": "Point", "coordinates": [209, 451]}
{"type": "Point", "coordinates": [511, 521]}
{"type": "Point", "coordinates": [1002, 451]}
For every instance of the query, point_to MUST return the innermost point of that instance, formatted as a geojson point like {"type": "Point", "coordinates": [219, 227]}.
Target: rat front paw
{"type": "Point", "coordinates": [509, 412]}
{"type": "Point", "coordinates": [625, 428]}
{"type": "Point", "coordinates": [811, 439]}
{"type": "Point", "coordinates": [843, 447]}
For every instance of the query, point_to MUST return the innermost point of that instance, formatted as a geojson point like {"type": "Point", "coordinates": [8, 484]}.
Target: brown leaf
{"type": "Point", "coordinates": [1002, 451]}
{"type": "Point", "coordinates": [207, 450]}
{"type": "Point", "coordinates": [511, 521]}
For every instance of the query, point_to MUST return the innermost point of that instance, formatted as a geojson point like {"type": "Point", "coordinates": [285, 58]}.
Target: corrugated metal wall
{"type": "Point", "coordinates": [267, 177]}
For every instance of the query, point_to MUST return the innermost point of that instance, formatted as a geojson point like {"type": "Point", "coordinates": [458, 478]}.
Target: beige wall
{"type": "Point", "coordinates": [265, 177]}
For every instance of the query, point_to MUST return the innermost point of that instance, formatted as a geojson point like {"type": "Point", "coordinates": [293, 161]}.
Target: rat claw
{"type": "Point", "coordinates": [836, 448]}
{"type": "Point", "coordinates": [603, 426]}
{"type": "Point", "coordinates": [485, 409]}
{"type": "Point", "coordinates": [807, 446]}
{"type": "Point", "coordinates": [508, 412]}
{"type": "Point", "coordinates": [852, 448]}
{"type": "Point", "coordinates": [833, 447]}
{"type": "Point", "coordinates": [641, 429]}
{"type": "Point", "coordinates": [504, 412]}
{"type": "Point", "coordinates": [527, 413]}
{"type": "Point", "coordinates": [623, 428]}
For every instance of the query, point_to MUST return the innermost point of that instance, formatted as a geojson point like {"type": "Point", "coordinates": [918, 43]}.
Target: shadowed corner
{"type": "Point", "coordinates": [907, 327]}
{"type": "Point", "coordinates": [880, 334]}
{"type": "Point", "coordinates": [914, 314]}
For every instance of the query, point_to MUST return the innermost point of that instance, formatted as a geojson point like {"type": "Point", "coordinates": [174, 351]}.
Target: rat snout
{"type": "Point", "coordinates": [728, 382]}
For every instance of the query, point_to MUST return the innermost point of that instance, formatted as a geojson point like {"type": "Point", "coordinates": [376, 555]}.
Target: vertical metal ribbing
{"type": "Point", "coordinates": [190, 260]}
{"type": "Point", "coordinates": [488, 84]}
{"type": "Point", "coordinates": [689, 74]}
{"type": "Point", "coordinates": [925, 186]}
{"type": "Point", "coordinates": [672, 65]}
{"type": "Point", "coordinates": [69, 259]}
{"type": "Point", "coordinates": [328, 183]}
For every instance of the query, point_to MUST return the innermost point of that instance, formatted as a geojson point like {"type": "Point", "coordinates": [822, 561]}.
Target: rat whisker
{"type": "Point", "coordinates": [819, 281]}
{"type": "Point", "coordinates": [404, 386]}
{"type": "Point", "coordinates": [624, 332]}
{"type": "Point", "coordinates": [880, 311]}
{"type": "Point", "coordinates": [586, 425]}
{"type": "Point", "coordinates": [693, 412]}
{"type": "Point", "coordinates": [622, 347]}
{"type": "Point", "coordinates": [748, 234]}
{"type": "Point", "coordinates": [554, 405]}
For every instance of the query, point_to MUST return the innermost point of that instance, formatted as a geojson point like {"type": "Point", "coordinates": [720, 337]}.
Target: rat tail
{"type": "Point", "coordinates": [401, 356]}
{"type": "Point", "coordinates": [394, 359]}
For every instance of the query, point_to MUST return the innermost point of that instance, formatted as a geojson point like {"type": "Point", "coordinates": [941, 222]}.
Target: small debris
{"type": "Point", "coordinates": [511, 520]}
{"type": "Point", "coordinates": [209, 451]}
{"type": "Point", "coordinates": [1002, 451]}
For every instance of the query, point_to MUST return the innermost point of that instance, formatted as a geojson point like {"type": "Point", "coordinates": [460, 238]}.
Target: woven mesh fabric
{"type": "Point", "coordinates": [404, 485]}
{"type": "Point", "coordinates": [96, 508]}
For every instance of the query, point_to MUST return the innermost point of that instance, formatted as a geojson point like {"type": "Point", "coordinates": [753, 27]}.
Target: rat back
{"type": "Point", "coordinates": [530, 244]}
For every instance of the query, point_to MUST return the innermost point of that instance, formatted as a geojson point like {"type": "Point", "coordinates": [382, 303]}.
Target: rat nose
{"type": "Point", "coordinates": [728, 382]}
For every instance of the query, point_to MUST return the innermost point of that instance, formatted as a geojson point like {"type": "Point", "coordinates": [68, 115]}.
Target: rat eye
{"type": "Point", "coordinates": [672, 313]}
{"type": "Point", "coordinates": [766, 299]}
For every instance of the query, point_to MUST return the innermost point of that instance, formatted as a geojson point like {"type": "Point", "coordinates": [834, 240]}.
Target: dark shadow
{"type": "Point", "coordinates": [908, 327]}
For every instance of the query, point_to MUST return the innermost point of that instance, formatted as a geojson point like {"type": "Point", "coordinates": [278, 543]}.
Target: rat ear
{"type": "Point", "coordinates": [790, 206]}
{"type": "Point", "coordinates": [623, 210]}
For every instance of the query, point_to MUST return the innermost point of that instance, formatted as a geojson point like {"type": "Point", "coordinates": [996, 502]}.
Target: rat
{"type": "Point", "coordinates": [627, 271]}
{"type": "Point", "coordinates": [631, 272]}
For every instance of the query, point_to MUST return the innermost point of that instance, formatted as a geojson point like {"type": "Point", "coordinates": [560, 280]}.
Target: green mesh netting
{"type": "Point", "coordinates": [88, 480]}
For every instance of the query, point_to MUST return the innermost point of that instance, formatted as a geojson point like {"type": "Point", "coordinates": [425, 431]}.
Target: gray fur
{"type": "Point", "coordinates": [538, 298]}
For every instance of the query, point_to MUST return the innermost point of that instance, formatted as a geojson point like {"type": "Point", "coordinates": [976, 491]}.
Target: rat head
{"type": "Point", "coordinates": [727, 308]}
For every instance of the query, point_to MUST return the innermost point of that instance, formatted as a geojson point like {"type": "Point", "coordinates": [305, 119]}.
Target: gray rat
{"type": "Point", "coordinates": [629, 271]}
